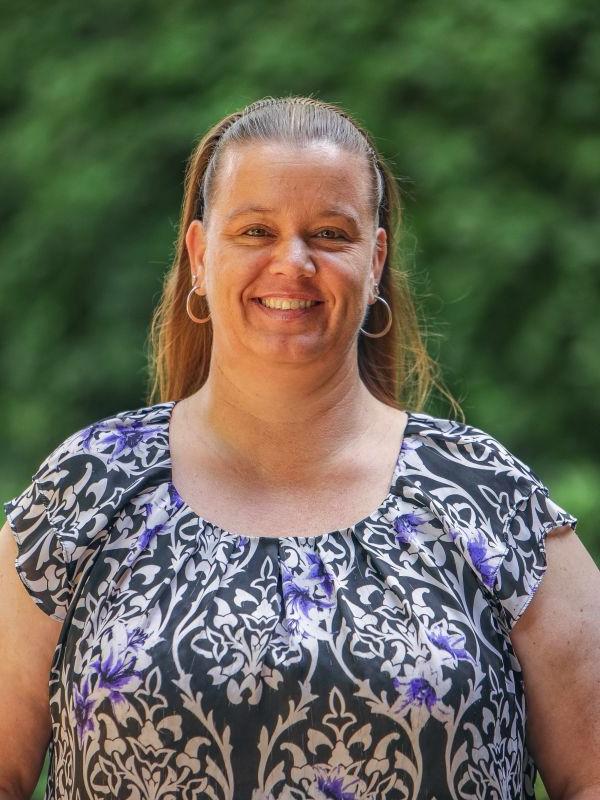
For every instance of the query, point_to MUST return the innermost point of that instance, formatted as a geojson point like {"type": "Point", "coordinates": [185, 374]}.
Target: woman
{"type": "Point", "coordinates": [274, 581]}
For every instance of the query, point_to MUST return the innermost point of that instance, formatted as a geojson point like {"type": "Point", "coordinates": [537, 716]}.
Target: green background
{"type": "Point", "coordinates": [487, 112]}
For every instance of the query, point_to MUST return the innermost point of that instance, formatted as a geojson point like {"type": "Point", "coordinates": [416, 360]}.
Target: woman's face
{"type": "Point", "coordinates": [288, 221]}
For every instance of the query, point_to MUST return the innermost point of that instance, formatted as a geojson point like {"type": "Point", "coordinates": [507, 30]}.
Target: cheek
{"type": "Point", "coordinates": [347, 276]}
{"type": "Point", "coordinates": [231, 273]}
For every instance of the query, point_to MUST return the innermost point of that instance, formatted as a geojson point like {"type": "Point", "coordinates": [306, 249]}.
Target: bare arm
{"type": "Point", "coordinates": [557, 642]}
{"type": "Point", "coordinates": [28, 639]}
{"type": "Point", "coordinates": [592, 793]}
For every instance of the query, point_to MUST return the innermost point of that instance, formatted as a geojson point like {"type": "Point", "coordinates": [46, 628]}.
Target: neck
{"type": "Point", "coordinates": [280, 421]}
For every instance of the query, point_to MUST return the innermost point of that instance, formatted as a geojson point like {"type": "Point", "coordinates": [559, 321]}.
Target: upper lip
{"type": "Point", "coordinates": [285, 296]}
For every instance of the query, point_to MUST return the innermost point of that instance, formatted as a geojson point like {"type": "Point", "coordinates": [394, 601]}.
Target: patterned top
{"type": "Point", "coordinates": [369, 662]}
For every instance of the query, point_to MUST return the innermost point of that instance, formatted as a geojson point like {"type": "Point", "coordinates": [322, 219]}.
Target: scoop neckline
{"type": "Point", "coordinates": [204, 522]}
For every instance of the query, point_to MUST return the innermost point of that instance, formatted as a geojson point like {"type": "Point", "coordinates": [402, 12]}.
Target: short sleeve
{"type": "Point", "coordinates": [491, 504]}
{"type": "Point", "coordinates": [58, 520]}
{"type": "Point", "coordinates": [524, 531]}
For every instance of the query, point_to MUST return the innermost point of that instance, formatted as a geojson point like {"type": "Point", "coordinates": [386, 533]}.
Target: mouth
{"type": "Point", "coordinates": [287, 313]}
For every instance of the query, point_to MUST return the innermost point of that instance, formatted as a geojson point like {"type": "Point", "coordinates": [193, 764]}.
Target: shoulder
{"type": "Point", "coordinates": [459, 462]}
{"type": "Point", "coordinates": [446, 432]}
{"type": "Point", "coordinates": [493, 505]}
{"type": "Point", "coordinates": [477, 455]}
{"type": "Point", "coordinates": [118, 436]}
{"type": "Point", "coordinates": [63, 516]}
{"type": "Point", "coordinates": [91, 470]}
{"type": "Point", "coordinates": [113, 441]}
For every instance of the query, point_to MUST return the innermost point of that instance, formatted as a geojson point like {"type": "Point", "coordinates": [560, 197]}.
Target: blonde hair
{"type": "Point", "coordinates": [396, 368]}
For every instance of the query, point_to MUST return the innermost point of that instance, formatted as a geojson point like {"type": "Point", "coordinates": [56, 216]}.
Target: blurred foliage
{"type": "Point", "coordinates": [487, 112]}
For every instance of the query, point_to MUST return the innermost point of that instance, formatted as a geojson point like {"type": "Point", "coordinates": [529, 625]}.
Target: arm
{"type": "Point", "coordinates": [557, 642]}
{"type": "Point", "coordinates": [28, 639]}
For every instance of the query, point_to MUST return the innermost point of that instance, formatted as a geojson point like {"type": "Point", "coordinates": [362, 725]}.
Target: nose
{"type": "Point", "coordinates": [292, 256]}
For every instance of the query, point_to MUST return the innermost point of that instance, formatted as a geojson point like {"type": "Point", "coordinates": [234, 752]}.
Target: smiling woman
{"type": "Point", "coordinates": [282, 249]}
{"type": "Point", "coordinates": [282, 577]}
{"type": "Point", "coordinates": [292, 179]}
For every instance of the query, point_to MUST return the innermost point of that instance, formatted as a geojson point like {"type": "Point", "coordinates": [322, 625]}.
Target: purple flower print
{"type": "Point", "coordinates": [318, 571]}
{"type": "Point", "coordinates": [88, 435]}
{"type": "Point", "coordinates": [478, 552]}
{"type": "Point", "coordinates": [454, 534]}
{"type": "Point", "coordinates": [125, 436]}
{"type": "Point", "coordinates": [83, 707]}
{"type": "Point", "coordinates": [149, 533]}
{"type": "Point", "coordinates": [418, 692]}
{"type": "Point", "coordinates": [299, 598]}
{"type": "Point", "coordinates": [145, 538]}
{"type": "Point", "coordinates": [115, 673]}
{"type": "Point", "coordinates": [406, 527]}
{"type": "Point", "coordinates": [174, 497]}
{"type": "Point", "coordinates": [333, 788]}
{"type": "Point", "coordinates": [298, 603]}
{"type": "Point", "coordinates": [136, 638]}
{"type": "Point", "coordinates": [444, 642]}
{"type": "Point", "coordinates": [421, 690]}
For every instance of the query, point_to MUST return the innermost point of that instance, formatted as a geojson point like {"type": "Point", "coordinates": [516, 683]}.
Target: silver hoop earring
{"type": "Point", "coordinates": [187, 306]}
{"type": "Point", "coordinates": [389, 322]}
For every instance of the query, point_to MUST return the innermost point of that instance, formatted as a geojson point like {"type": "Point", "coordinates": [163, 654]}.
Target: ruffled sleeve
{"type": "Point", "coordinates": [524, 531]}
{"type": "Point", "coordinates": [522, 512]}
{"type": "Point", "coordinates": [60, 520]}
{"type": "Point", "coordinates": [494, 507]}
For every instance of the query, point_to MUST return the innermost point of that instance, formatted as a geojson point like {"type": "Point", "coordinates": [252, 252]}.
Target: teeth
{"type": "Point", "coordinates": [272, 302]}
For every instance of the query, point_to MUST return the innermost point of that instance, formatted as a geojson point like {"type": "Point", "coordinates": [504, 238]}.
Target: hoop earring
{"type": "Point", "coordinates": [387, 327]}
{"type": "Point", "coordinates": [187, 306]}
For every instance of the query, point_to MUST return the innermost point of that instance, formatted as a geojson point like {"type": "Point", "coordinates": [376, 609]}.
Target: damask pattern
{"type": "Point", "coordinates": [370, 662]}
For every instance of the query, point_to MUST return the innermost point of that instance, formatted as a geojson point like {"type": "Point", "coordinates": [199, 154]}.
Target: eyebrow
{"type": "Point", "coordinates": [327, 212]}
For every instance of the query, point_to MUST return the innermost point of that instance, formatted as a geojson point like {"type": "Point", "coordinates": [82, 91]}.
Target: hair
{"type": "Point", "coordinates": [396, 368]}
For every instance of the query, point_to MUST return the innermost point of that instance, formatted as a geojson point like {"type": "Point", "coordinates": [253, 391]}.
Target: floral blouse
{"type": "Point", "coordinates": [369, 662]}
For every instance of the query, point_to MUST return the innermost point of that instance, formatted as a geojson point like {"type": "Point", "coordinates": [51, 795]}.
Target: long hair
{"type": "Point", "coordinates": [396, 368]}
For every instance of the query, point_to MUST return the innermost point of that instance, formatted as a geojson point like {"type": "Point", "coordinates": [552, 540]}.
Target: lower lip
{"type": "Point", "coordinates": [289, 313]}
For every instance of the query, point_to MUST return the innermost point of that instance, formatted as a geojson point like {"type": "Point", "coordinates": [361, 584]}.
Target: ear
{"type": "Point", "coordinates": [379, 256]}
{"type": "Point", "coordinates": [195, 241]}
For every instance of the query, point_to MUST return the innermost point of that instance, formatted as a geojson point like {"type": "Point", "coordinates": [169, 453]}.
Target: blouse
{"type": "Point", "coordinates": [368, 662]}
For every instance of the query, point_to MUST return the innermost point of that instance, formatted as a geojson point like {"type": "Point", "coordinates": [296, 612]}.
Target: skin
{"type": "Point", "coordinates": [557, 642]}
{"type": "Point", "coordinates": [24, 674]}
{"type": "Point", "coordinates": [271, 382]}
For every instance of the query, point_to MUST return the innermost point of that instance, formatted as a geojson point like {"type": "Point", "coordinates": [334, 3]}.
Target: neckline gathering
{"type": "Point", "coordinates": [203, 522]}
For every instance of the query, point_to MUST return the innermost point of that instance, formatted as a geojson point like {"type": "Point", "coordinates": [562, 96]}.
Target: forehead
{"type": "Point", "coordinates": [273, 172]}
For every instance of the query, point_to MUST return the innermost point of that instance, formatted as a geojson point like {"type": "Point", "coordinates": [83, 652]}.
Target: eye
{"type": "Point", "coordinates": [253, 229]}
{"type": "Point", "coordinates": [336, 233]}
